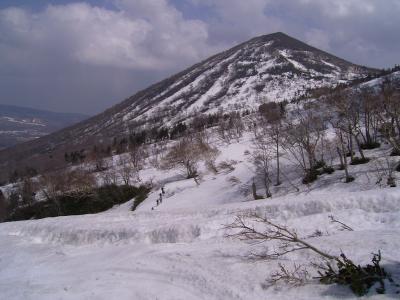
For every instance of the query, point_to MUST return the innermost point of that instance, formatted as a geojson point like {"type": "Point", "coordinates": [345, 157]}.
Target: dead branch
{"type": "Point", "coordinates": [343, 225]}
{"type": "Point", "coordinates": [296, 277]}
{"type": "Point", "coordinates": [289, 240]}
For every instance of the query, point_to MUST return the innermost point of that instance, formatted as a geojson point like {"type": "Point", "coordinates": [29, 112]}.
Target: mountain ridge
{"type": "Point", "coordinates": [274, 67]}
{"type": "Point", "coordinates": [19, 124]}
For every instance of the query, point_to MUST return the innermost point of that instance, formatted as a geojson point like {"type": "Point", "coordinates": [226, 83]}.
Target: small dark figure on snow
{"type": "Point", "coordinates": [158, 202]}
{"type": "Point", "coordinates": [160, 198]}
{"type": "Point", "coordinates": [162, 190]}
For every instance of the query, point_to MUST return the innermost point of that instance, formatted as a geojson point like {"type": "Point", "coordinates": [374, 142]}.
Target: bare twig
{"type": "Point", "coordinates": [343, 225]}
{"type": "Point", "coordinates": [290, 241]}
{"type": "Point", "coordinates": [296, 277]}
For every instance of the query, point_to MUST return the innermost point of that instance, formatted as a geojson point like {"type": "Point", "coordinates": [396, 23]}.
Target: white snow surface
{"type": "Point", "coordinates": [179, 250]}
{"type": "Point", "coordinates": [183, 253]}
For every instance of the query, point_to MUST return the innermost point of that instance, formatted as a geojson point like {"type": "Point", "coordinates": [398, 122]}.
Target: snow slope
{"type": "Point", "coordinates": [179, 250]}
{"type": "Point", "coordinates": [184, 254]}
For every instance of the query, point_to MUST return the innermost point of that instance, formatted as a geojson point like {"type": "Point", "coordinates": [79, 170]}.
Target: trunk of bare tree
{"type": "Point", "coordinates": [359, 147]}
{"type": "Point", "coordinates": [278, 171]}
{"type": "Point", "coordinates": [266, 184]}
{"type": "Point", "coordinates": [343, 156]}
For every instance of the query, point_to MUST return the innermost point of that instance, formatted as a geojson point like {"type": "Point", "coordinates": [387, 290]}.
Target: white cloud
{"type": "Point", "coordinates": [147, 35]}
{"type": "Point", "coordinates": [79, 55]}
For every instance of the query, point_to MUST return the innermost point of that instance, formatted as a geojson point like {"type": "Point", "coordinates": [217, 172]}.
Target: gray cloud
{"type": "Point", "coordinates": [363, 31]}
{"type": "Point", "coordinates": [83, 58]}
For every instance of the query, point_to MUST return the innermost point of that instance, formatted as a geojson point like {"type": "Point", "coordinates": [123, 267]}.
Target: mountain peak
{"type": "Point", "coordinates": [282, 40]}
{"type": "Point", "coordinates": [273, 67]}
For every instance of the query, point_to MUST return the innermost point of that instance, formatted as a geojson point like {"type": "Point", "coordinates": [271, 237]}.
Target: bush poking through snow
{"type": "Point", "coordinates": [359, 279]}
{"type": "Point", "coordinates": [140, 197]}
{"type": "Point", "coordinates": [310, 176]}
{"type": "Point", "coordinates": [226, 166]}
{"type": "Point", "coordinates": [370, 146]}
{"type": "Point", "coordinates": [328, 170]}
{"type": "Point", "coordinates": [395, 152]}
{"type": "Point", "coordinates": [79, 202]}
{"type": "Point", "coordinates": [359, 161]}
{"type": "Point", "coordinates": [334, 269]}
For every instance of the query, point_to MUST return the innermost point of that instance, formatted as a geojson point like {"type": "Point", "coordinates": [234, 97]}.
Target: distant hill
{"type": "Point", "coordinates": [21, 124]}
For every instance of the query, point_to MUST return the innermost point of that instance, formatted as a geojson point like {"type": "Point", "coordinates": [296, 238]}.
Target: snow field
{"type": "Point", "coordinates": [183, 254]}
{"type": "Point", "coordinates": [179, 250]}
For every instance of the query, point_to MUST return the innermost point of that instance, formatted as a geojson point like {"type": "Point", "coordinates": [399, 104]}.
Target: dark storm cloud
{"type": "Point", "coordinates": [84, 57]}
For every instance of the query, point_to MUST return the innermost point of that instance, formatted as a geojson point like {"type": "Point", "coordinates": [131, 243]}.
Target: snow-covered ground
{"type": "Point", "coordinates": [179, 249]}
{"type": "Point", "coordinates": [184, 254]}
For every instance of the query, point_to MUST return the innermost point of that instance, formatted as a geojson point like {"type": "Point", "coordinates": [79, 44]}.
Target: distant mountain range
{"type": "Point", "coordinates": [274, 67]}
{"type": "Point", "coordinates": [20, 124]}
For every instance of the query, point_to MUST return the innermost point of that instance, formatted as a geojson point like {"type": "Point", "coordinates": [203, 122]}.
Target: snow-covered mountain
{"type": "Point", "coordinates": [272, 67]}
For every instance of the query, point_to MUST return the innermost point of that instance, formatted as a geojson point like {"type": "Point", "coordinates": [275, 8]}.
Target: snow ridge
{"type": "Point", "coordinates": [186, 226]}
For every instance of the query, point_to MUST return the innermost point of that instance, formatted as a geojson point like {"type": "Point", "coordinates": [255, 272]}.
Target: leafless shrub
{"type": "Point", "coordinates": [186, 155]}
{"type": "Point", "coordinates": [109, 177]}
{"type": "Point", "coordinates": [244, 227]}
{"type": "Point", "coordinates": [296, 276]}
{"type": "Point", "coordinates": [226, 166]}
{"type": "Point", "coordinates": [61, 182]}
{"type": "Point", "coordinates": [234, 180]}
{"type": "Point", "coordinates": [125, 170]}
{"type": "Point", "coordinates": [384, 169]}
{"type": "Point", "coordinates": [316, 233]}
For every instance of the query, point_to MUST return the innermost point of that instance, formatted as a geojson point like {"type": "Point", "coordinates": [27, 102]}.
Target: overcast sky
{"type": "Point", "coordinates": [86, 56]}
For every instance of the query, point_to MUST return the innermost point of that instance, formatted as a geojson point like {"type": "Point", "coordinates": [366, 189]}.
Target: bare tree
{"type": "Point", "coordinates": [126, 170]}
{"type": "Point", "coordinates": [341, 150]}
{"type": "Point", "coordinates": [137, 155]}
{"type": "Point", "coordinates": [302, 136]}
{"type": "Point", "coordinates": [186, 154]}
{"type": "Point", "coordinates": [389, 113]}
{"type": "Point", "coordinates": [370, 106]}
{"type": "Point", "coordinates": [231, 127]}
{"type": "Point", "coordinates": [346, 110]}
{"type": "Point", "coordinates": [261, 157]}
{"type": "Point", "coordinates": [274, 113]}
